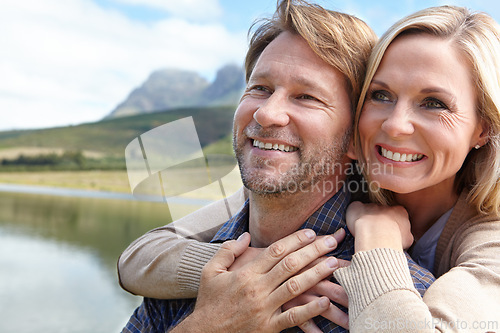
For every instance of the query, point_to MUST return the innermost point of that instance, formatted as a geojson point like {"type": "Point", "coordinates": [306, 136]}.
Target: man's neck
{"type": "Point", "coordinates": [272, 217]}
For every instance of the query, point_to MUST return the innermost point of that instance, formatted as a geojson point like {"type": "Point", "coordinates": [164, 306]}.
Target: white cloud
{"type": "Point", "coordinates": [71, 61]}
{"type": "Point", "coordinates": [191, 9]}
{"type": "Point", "coordinates": [381, 14]}
{"type": "Point", "coordinates": [488, 6]}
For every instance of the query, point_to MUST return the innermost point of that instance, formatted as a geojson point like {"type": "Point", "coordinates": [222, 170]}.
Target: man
{"type": "Point", "coordinates": [291, 134]}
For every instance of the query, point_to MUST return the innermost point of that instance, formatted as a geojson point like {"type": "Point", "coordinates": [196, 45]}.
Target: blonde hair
{"type": "Point", "coordinates": [341, 40]}
{"type": "Point", "coordinates": [477, 37]}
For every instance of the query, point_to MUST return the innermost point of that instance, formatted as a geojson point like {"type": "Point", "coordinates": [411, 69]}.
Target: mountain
{"type": "Point", "coordinates": [226, 88]}
{"type": "Point", "coordinates": [111, 136]}
{"type": "Point", "coordinates": [173, 88]}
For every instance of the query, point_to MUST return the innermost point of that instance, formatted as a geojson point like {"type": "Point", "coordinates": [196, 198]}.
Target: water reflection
{"type": "Point", "coordinates": [58, 261]}
{"type": "Point", "coordinates": [51, 287]}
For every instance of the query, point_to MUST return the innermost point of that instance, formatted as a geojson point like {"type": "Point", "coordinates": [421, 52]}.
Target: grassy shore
{"type": "Point", "coordinates": [113, 181]}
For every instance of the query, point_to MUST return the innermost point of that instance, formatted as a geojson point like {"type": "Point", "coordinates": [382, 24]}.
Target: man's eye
{"type": "Point", "coordinates": [308, 97]}
{"type": "Point", "coordinates": [260, 88]}
{"type": "Point", "coordinates": [258, 91]}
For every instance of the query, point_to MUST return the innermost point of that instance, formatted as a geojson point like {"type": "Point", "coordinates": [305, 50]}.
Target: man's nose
{"type": "Point", "coordinates": [274, 111]}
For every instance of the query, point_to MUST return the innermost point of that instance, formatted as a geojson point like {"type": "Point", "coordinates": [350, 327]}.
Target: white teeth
{"type": "Point", "coordinates": [398, 157]}
{"type": "Point", "coordinates": [275, 146]}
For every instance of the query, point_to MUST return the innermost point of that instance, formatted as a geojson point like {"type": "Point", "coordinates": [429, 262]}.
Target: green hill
{"type": "Point", "coordinates": [109, 137]}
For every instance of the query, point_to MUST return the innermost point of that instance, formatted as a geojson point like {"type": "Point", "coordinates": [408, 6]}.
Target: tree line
{"type": "Point", "coordinates": [69, 160]}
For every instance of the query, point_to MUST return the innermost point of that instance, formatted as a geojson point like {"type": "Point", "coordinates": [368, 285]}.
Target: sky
{"type": "Point", "coordinates": [66, 62]}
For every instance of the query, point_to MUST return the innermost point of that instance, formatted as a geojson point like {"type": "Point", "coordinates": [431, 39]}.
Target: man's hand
{"type": "Point", "coordinates": [249, 299]}
{"type": "Point", "coordinates": [249, 255]}
{"type": "Point", "coordinates": [374, 226]}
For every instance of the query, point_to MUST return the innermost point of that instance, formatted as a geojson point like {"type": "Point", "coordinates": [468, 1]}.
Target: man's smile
{"type": "Point", "coordinates": [274, 146]}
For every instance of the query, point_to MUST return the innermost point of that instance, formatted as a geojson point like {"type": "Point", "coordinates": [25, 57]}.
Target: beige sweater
{"type": "Point", "coordinates": [163, 264]}
{"type": "Point", "coordinates": [166, 262]}
{"type": "Point", "coordinates": [464, 298]}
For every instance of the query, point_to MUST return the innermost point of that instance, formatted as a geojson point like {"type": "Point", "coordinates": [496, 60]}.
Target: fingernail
{"type": "Point", "coordinates": [332, 262]}
{"type": "Point", "coordinates": [330, 241]}
{"type": "Point", "coordinates": [241, 237]}
{"type": "Point", "coordinates": [323, 302]}
{"type": "Point", "coordinates": [310, 234]}
{"type": "Point", "coordinates": [339, 231]}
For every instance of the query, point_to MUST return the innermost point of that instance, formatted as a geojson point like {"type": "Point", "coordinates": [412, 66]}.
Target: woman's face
{"type": "Point", "coordinates": [419, 118]}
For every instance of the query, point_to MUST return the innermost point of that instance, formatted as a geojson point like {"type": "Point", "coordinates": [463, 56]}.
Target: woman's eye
{"type": "Point", "coordinates": [434, 104]}
{"type": "Point", "coordinates": [379, 96]}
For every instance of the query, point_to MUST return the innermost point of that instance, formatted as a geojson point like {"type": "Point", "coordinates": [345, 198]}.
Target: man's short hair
{"type": "Point", "coordinates": [339, 39]}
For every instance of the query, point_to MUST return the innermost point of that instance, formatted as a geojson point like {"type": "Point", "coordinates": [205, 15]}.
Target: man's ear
{"type": "Point", "coordinates": [351, 153]}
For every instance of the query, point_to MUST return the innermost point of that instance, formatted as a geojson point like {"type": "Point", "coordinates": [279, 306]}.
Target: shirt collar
{"type": "Point", "coordinates": [234, 227]}
{"type": "Point", "coordinates": [326, 220]}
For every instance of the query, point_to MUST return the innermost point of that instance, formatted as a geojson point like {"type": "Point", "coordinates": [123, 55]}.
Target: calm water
{"type": "Point", "coordinates": [58, 261]}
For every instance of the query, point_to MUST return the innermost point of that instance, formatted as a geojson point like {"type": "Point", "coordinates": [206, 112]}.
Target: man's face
{"type": "Point", "coordinates": [291, 128]}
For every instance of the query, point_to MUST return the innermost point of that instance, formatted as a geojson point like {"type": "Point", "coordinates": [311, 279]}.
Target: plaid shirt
{"type": "Point", "coordinates": [161, 315]}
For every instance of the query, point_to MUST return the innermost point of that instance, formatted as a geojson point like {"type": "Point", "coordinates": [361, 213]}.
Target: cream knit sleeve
{"type": "Point", "coordinates": [375, 276]}
{"type": "Point", "coordinates": [465, 298]}
{"type": "Point", "coordinates": [166, 262]}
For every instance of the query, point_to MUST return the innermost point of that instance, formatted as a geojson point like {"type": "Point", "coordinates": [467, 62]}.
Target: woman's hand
{"type": "Point", "coordinates": [333, 291]}
{"type": "Point", "coordinates": [374, 226]}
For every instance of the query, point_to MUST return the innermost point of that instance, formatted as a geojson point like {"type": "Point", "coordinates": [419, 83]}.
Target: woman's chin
{"type": "Point", "coordinates": [395, 184]}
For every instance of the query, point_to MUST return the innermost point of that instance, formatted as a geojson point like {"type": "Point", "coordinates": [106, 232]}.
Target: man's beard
{"type": "Point", "coordinates": [313, 167]}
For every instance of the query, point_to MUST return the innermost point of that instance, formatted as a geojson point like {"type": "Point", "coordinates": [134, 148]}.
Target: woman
{"type": "Point", "coordinates": [428, 135]}
{"type": "Point", "coordinates": [449, 132]}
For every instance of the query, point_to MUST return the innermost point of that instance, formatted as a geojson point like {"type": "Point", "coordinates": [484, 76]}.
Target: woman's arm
{"type": "Point", "coordinates": [166, 262]}
{"type": "Point", "coordinates": [465, 298]}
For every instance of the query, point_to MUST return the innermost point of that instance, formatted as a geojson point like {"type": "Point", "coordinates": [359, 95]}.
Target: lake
{"type": "Point", "coordinates": [58, 258]}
